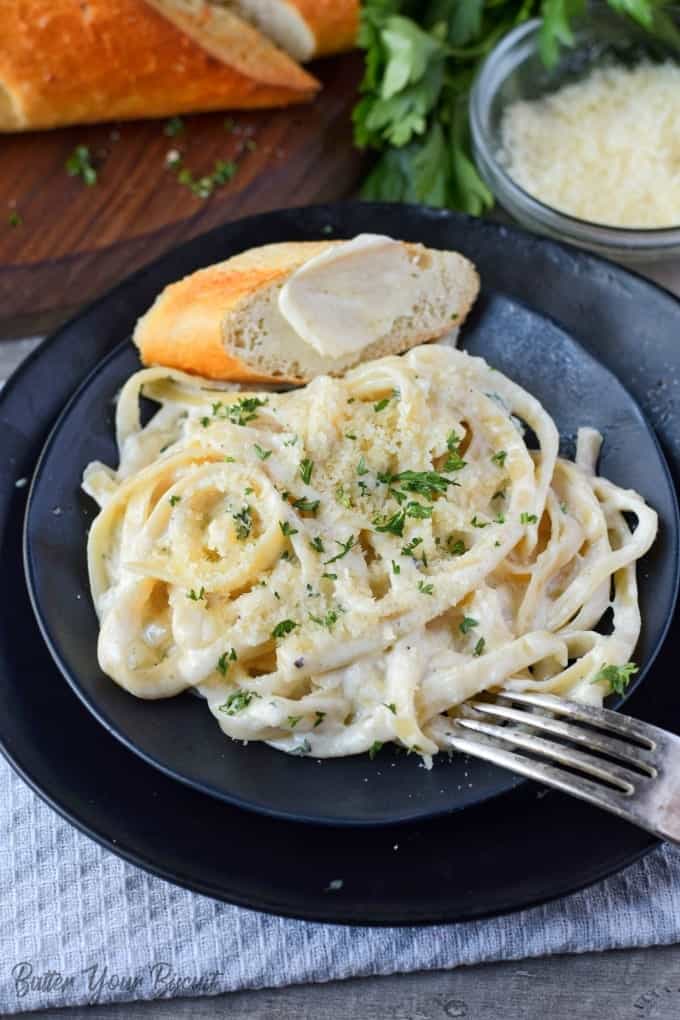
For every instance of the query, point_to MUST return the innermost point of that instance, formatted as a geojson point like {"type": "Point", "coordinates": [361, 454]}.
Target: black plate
{"type": "Point", "coordinates": [180, 736]}
{"type": "Point", "coordinates": [445, 869]}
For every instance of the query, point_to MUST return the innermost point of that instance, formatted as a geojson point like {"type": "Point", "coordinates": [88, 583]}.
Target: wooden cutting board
{"type": "Point", "coordinates": [72, 242]}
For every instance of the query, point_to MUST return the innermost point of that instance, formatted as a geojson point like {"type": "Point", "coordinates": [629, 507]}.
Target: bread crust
{"type": "Point", "coordinates": [71, 63]}
{"type": "Point", "coordinates": [184, 328]}
{"type": "Point", "coordinates": [333, 23]}
{"type": "Point", "coordinates": [236, 42]}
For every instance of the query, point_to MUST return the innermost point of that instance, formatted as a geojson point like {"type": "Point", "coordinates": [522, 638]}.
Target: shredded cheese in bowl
{"type": "Point", "coordinates": [605, 149]}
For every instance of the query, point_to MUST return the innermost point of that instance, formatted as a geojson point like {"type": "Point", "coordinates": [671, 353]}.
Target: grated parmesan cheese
{"type": "Point", "coordinates": [605, 149]}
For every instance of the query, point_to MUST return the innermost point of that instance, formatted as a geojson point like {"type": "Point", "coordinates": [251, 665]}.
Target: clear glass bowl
{"type": "Point", "coordinates": [514, 70]}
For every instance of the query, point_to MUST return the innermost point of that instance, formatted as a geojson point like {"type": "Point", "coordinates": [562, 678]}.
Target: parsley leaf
{"type": "Point", "coordinates": [307, 505]}
{"type": "Point", "coordinates": [237, 701]}
{"type": "Point", "coordinates": [283, 628]}
{"type": "Point", "coordinates": [374, 748]}
{"type": "Point", "coordinates": [425, 589]}
{"type": "Point", "coordinates": [344, 549]}
{"type": "Point", "coordinates": [618, 677]}
{"type": "Point", "coordinates": [262, 453]}
{"type": "Point", "coordinates": [79, 164]}
{"type": "Point", "coordinates": [287, 529]}
{"type": "Point", "coordinates": [224, 660]}
{"type": "Point", "coordinates": [306, 468]}
{"type": "Point", "coordinates": [467, 623]}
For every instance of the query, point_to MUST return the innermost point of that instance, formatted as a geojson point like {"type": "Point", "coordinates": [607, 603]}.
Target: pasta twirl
{"type": "Point", "coordinates": [346, 564]}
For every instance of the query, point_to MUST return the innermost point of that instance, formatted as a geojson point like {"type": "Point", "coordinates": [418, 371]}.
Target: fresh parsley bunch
{"type": "Point", "coordinates": [421, 58]}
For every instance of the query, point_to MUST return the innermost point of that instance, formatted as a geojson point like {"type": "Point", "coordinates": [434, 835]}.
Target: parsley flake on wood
{"type": "Point", "coordinates": [79, 164]}
{"type": "Point", "coordinates": [173, 127]}
{"type": "Point", "coordinates": [14, 219]}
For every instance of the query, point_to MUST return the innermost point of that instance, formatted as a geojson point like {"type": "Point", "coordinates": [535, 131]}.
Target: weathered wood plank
{"type": "Point", "coordinates": [639, 984]}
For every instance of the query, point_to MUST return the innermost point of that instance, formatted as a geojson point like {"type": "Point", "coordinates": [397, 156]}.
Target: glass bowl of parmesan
{"type": "Point", "coordinates": [588, 149]}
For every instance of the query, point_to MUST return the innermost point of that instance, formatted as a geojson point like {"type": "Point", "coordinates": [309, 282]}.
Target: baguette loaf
{"type": "Point", "coordinates": [69, 62]}
{"type": "Point", "coordinates": [306, 28]}
{"type": "Point", "coordinates": [225, 322]}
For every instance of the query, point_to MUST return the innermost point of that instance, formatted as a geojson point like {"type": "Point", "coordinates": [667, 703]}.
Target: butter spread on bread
{"type": "Point", "coordinates": [238, 321]}
{"type": "Point", "coordinates": [350, 296]}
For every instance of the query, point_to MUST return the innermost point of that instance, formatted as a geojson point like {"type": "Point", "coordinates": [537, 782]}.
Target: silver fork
{"type": "Point", "coordinates": [644, 788]}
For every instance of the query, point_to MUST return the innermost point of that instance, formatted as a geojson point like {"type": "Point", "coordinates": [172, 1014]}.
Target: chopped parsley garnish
{"type": "Point", "coordinates": [290, 442]}
{"type": "Point", "coordinates": [224, 660]}
{"type": "Point", "coordinates": [261, 452]}
{"type": "Point", "coordinates": [350, 435]}
{"type": "Point", "coordinates": [173, 127]}
{"type": "Point", "coordinates": [427, 483]}
{"type": "Point", "coordinates": [293, 720]}
{"type": "Point", "coordinates": [79, 165]}
{"type": "Point", "coordinates": [244, 410]}
{"type": "Point", "coordinates": [287, 529]}
{"type": "Point", "coordinates": [454, 461]}
{"type": "Point", "coordinates": [283, 627]}
{"type": "Point", "coordinates": [499, 519]}
{"type": "Point", "coordinates": [307, 505]}
{"type": "Point", "coordinates": [14, 219]}
{"type": "Point", "coordinates": [330, 577]}
{"type": "Point", "coordinates": [229, 460]}
{"type": "Point", "coordinates": [205, 421]}
{"type": "Point", "coordinates": [408, 549]}
{"type": "Point", "coordinates": [374, 748]}
{"type": "Point", "coordinates": [479, 647]}
{"type": "Point", "coordinates": [244, 523]}
{"type": "Point", "coordinates": [425, 589]}
{"type": "Point", "coordinates": [328, 621]}
{"type": "Point", "coordinates": [304, 748]}
{"type": "Point", "coordinates": [499, 457]}
{"type": "Point", "coordinates": [457, 547]}
{"type": "Point", "coordinates": [317, 544]}
{"type": "Point", "coordinates": [320, 716]}
{"type": "Point", "coordinates": [237, 701]}
{"type": "Point", "coordinates": [396, 569]}
{"type": "Point", "coordinates": [394, 524]}
{"type": "Point", "coordinates": [361, 466]}
{"type": "Point", "coordinates": [618, 677]}
{"type": "Point", "coordinates": [342, 497]}
{"type": "Point", "coordinates": [306, 468]}
{"type": "Point", "coordinates": [196, 596]}
{"type": "Point", "coordinates": [467, 623]}
{"type": "Point", "coordinates": [392, 707]}
{"type": "Point", "coordinates": [174, 500]}
{"type": "Point", "coordinates": [418, 510]}
{"type": "Point", "coordinates": [381, 404]}
{"type": "Point", "coordinates": [526, 518]}
{"type": "Point", "coordinates": [563, 508]}
{"type": "Point", "coordinates": [344, 549]}
{"type": "Point", "coordinates": [476, 523]}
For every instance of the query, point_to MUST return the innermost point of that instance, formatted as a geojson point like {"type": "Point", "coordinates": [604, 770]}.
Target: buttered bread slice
{"type": "Point", "coordinates": [292, 311]}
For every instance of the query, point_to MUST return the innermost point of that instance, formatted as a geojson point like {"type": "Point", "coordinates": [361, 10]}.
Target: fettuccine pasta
{"type": "Point", "coordinates": [345, 565]}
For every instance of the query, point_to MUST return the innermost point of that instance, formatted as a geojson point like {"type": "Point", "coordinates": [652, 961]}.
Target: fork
{"type": "Point", "coordinates": [644, 788]}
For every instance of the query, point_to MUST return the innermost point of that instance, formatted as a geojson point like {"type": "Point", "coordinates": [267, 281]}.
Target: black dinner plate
{"type": "Point", "coordinates": [510, 852]}
{"type": "Point", "coordinates": [180, 736]}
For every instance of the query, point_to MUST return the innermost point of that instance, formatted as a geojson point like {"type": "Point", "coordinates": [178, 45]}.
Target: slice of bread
{"type": "Point", "coordinates": [305, 28]}
{"type": "Point", "coordinates": [224, 322]}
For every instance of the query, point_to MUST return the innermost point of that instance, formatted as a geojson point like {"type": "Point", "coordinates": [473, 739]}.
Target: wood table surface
{"type": "Point", "coordinates": [635, 984]}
